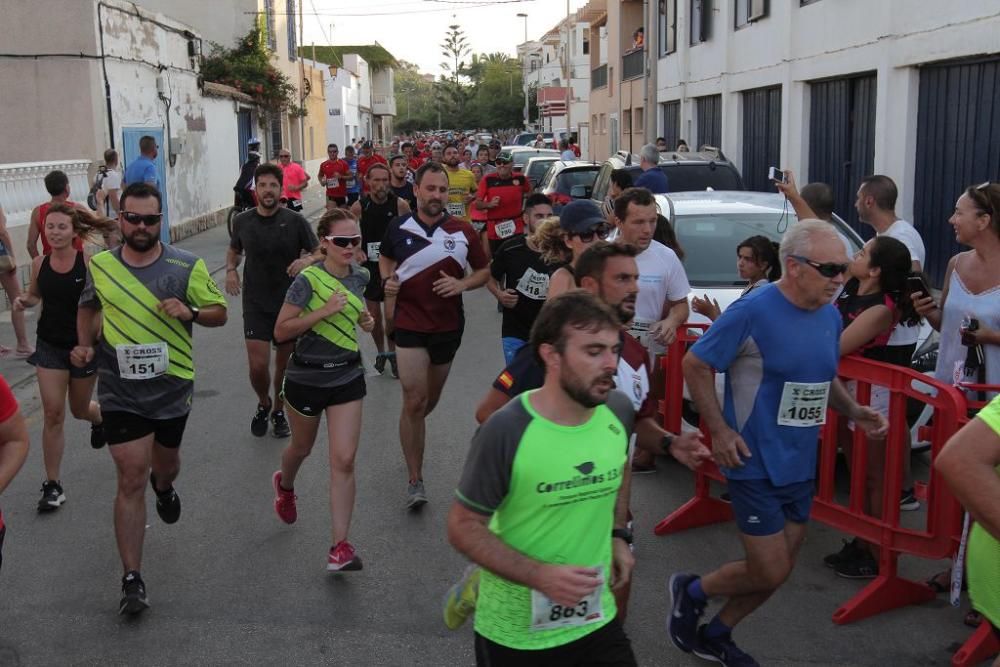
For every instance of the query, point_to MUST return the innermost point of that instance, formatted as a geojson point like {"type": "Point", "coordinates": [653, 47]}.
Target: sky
{"type": "Point", "coordinates": [412, 30]}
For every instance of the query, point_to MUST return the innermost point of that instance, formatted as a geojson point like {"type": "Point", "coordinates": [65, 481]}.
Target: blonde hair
{"type": "Point", "coordinates": [332, 217]}
{"type": "Point", "coordinates": [550, 240]}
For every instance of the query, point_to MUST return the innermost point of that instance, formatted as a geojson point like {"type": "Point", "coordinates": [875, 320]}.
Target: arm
{"type": "Point", "coordinates": [864, 328]}
{"type": "Point", "coordinates": [30, 297]}
{"type": "Point", "coordinates": [727, 445]}
{"type": "Point", "coordinates": [841, 400]}
{"type": "Point", "coordinates": [87, 324]}
{"type": "Point", "coordinates": [292, 323]}
{"type": "Point", "coordinates": [968, 464]}
{"type": "Point", "coordinates": [404, 207]}
{"type": "Point", "coordinates": [5, 237]}
{"type": "Point", "coordinates": [686, 447]}
{"type": "Point", "coordinates": [622, 560]}
{"type": "Point", "coordinates": [561, 281]}
{"type": "Point", "coordinates": [493, 401]}
{"type": "Point", "coordinates": [924, 304]}
{"type": "Point", "coordinates": [233, 260]}
{"type": "Point", "coordinates": [32, 244]}
{"type": "Point", "coordinates": [802, 209]}
{"type": "Point", "coordinates": [356, 209]}
{"type": "Point", "coordinates": [13, 447]}
{"type": "Point", "coordinates": [677, 312]}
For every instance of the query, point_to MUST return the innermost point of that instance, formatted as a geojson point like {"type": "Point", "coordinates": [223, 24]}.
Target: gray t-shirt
{"type": "Point", "coordinates": [317, 362]}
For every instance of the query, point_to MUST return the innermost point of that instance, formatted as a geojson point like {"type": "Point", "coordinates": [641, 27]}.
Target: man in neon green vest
{"type": "Point", "coordinates": [149, 296]}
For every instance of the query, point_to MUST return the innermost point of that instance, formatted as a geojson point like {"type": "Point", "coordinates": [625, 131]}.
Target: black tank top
{"type": "Point", "coordinates": [60, 294]}
{"type": "Point", "coordinates": [406, 192]}
{"type": "Point", "coordinates": [375, 219]}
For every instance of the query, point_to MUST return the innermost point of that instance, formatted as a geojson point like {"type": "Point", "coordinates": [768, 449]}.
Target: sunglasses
{"type": "Point", "coordinates": [601, 231]}
{"type": "Point", "coordinates": [149, 220]}
{"type": "Point", "coordinates": [344, 241]}
{"type": "Point", "coordinates": [827, 270]}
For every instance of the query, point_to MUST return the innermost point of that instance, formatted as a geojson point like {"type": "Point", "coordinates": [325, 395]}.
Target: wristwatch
{"type": "Point", "coordinates": [668, 439]}
{"type": "Point", "coordinates": [622, 533]}
{"type": "Point", "coordinates": [194, 313]}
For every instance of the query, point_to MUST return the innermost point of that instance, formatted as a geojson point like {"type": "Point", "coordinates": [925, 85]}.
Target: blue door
{"type": "Point", "coordinates": [130, 151]}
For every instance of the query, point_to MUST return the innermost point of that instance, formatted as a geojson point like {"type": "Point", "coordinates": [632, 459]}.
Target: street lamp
{"type": "Point", "coordinates": [524, 81]}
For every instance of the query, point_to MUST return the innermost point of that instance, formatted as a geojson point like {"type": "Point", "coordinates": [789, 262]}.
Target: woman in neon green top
{"type": "Point", "coordinates": [970, 463]}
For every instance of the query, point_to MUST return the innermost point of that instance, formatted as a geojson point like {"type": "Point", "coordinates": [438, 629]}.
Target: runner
{"type": "Point", "coordinates": [321, 311]}
{"type": "Point", "coordinates": [545, 590]}
{"type": "Point", "coordinates": [244, 184]}
{"type": "Point", "coordinates": [365, 161]}
{"type": "Point", "coordinates": [274, 240]}
{"type": "Point", "coordinates": [413, 161]}
{"type": "Point", "coordinates": [13, 445]}
{"type": "Point", "coordinates": [519, 279]}
{"type": "Point", "coordinates": [333, 174]}
{"type": "Point", "coordinates": [397, 181]}
{"type": "Point", "coordinates": [461, 184]}
{"type": "Point", "coordinates": [437, 153]}
{"type": "Point", "coordinates": [57, 281]}
{"type": "Point", "coordinates": [779, 385]}
{"type": "Point", "coordinates": [294, 181]}
{"type": "Point", "coordinates": [57, 185]}
{"type": "Point", "coordinates": [149, 296]}
{"type": "Point", "coordinates": [501, 195]}
{"type": "Point", "coordinates": [422, 261]}
{"type": "Point", "coordinates": [375, 211]}
{"type": "Point", "coordinates": [483, 158]}
{"type": "Point", "coordinates": [494, 150]}
{"type": "Point", "coordinates": [353, 179]}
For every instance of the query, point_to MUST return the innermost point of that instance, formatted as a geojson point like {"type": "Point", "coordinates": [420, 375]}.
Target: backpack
{"type": "Point", "coordinates": [95, 188]}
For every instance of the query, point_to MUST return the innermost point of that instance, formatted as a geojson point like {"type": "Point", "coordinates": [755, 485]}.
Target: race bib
{"type": "Point", "coordinates": [505, 229]}
{"type": "Point", "coordinates": [534, 285]}
{"type": "Point", "coordinates": [142, 362]}
{"type": "Point", "coordinates": [350, 182]}
{"type": "Point", "coordinates": [640, 331]}
{"type": "Point", "coordinates": [803, 404]}
{"type": "Point", "coordinates": [373, 251]}
{"type": "Point", "coordinates": [332, 182]}
{"type": "Point", "coordinates": [547, 615]}
{"type": "Point", "coordinates": [456, 208]}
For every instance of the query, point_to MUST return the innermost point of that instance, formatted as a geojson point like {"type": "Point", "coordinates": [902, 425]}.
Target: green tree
{"type": "Point", "coordinates": [455, 47]}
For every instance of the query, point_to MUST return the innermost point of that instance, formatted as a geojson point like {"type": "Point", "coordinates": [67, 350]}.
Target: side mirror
{"type": "Point", "coordinates": [580, 191]}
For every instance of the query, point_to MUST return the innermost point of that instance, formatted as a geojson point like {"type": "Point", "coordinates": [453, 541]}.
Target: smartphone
{"type": "Point", "coordinates": [917, 284]}
{"type": "Point", "coordinates": [775, 174]}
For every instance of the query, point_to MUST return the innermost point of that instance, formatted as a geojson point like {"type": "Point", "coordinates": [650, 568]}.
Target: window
{"type": "Point", "coordinates": [748, 11]}
{"type": "Point", "coordinates": [604, 123]}
{"type": "Point", "coordinates": [593, 123]}
{"type": "Point", "coordinates": [586, 44]}
{"type": "Point", "coordinates": [667, 24]}
{"type": "Point", "coordinates": [290, 15]}
{"type": "Point", "coordinates": [627, 121]}
{"type": "Point", "coordinates": [272, 39]}
{"type": "Point", "coordinates": [275, 129]}
{"type": "Point", "coordinates": [701, 21]}
{"type": "Point", "coordinates": [638, 122]}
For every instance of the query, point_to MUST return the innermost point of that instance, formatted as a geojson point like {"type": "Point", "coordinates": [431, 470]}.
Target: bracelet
{"type": "Point", "coordinates": [233, 270]}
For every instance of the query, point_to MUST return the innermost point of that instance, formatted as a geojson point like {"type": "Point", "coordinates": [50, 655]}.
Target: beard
{"type": "Point", "coordinates": [587, 395]}
{"type": "Point", "coordinates": [268, 202]}
{"type": "Point", "coordinates": [141, 241]}
{"type": "Point", "coordinates": [431, 209]}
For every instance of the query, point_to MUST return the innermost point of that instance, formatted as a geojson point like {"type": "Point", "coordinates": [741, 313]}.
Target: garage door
{"type": "Point", "coordinates": [761, 136]}
{"type": "Point", "coordinates": [958, 144]}
{"type": "Point", "coordinates": [709, 119]}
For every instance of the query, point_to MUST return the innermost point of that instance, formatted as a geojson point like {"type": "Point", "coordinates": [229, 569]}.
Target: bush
{"type": "Point", "coordinates": [247, 68]}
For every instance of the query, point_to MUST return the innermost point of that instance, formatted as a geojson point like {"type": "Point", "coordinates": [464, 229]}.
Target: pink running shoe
{"type": "Point", "coordinates": [284, 501]}
{"type": "Point", "coordinates": [342, 558]}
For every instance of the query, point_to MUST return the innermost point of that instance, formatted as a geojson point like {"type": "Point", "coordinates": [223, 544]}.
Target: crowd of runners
{"type": "Point", "coordinates": [589, 301]}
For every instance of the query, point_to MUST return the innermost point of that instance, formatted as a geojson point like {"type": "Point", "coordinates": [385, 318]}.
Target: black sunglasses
{"type": "Point", "coordinates": [827, 270]}
{"type": "Point", "coordinates": [344, 241]}
{"type": "Point", "coordinates": [149, 220]}
{"type": "Point", "coordinates": [600, 231]}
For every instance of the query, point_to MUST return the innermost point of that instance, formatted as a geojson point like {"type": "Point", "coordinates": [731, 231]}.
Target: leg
{"type": "Point", "coordinates": [80, 404]}
{"type": "Point", "coordinates": [304, 431]}
{"type": "Point", "coordinates": [414, 371]}
{"type": "Point", "coordinates": [437, 375]}
{"type": "Point", "coordinates": [259, 357]}
{"type": "Point", "coordinates": [10, 285]}
{"type": "Point", "coordinates": [280, 364]}
{"type": "Point", "coordinates": [132, 460]}
{"type": "Point", "coordinates": [166, 465]}
{"type": "Point", "coordinates": [378, 333]}
{"type": "Point", "coordinates": [52, 386]}
{"type": "Point", "coordinates": [343, 423]}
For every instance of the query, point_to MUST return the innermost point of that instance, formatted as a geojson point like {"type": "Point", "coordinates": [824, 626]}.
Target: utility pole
{"type": "Point", "coordinates": [568, 73]}
{"type": "Point", "coordinates": [302, 89]}
{"type": "Point", "coordinates": [651, 44]}
{"type": "Point", "coordinates": [524, 66]}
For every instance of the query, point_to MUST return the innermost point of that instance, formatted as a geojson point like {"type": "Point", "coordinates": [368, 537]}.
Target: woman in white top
{"type": "Point", "coordinates": [756, 261]}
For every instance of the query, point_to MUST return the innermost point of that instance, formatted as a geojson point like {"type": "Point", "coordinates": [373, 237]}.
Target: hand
{"type": "Point", "coordinates": [507, 298]}
{"type": "Point", "coordinates": [567, 584]}
{"type": "Point", "coordinates": [81, 355]}
{"type": "Point", "coordinates": [923, 303]}
{"type": "Point", "coordinates": [296, 267]}
{"type": "Point", "coordinates": [728, 447]}
{"type": "Point", "coordinates": [981, 336]}
{"type": "Point", "coordinates": [871, 422]}
{"type": "Point", "coordinates": [177, 309]}
{"type": "Point", "coordinates": [707, 307]}
{"type": "Point", "coordinates": [20, 304]}
{"type": "Point", "coordinates": [689, 449]}
{"type": "Point", "coordinates": [788, 187]}
{"type": "Point", "coordinates": [622, 562]}
{"type": "Point", "coordinates": [391, 287]}
{"type": "Point", "coordinates": [232, 283]}
{"type": "Point", "coordinates": [469, 198]}
{"type": "Point", "coordinates": [322, 180]}
{"type": "Point", "coordinates": [448, 286]}
{"type": "Point", "coordinates": [494, 202]}
{"type": "Point", "coordinates": [335, 304]}
{"type": "Point", "coordinates": [366, 322]}
{"type": "Point", "coordinates": [663, 332]}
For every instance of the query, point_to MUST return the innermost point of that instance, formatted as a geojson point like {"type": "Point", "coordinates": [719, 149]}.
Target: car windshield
{"type": "Point", "coordinates": [572, 177]}
{"type": "Point", "coordinates": [538, 169]}
{"type": "Point", "coordinates": [521, 158]}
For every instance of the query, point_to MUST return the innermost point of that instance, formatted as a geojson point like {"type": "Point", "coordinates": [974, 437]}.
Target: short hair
{"type": "Point", "coordinates": [429, 166]}
{"type": "Point", "coordinates": [56, 182]}
{"type": "Point", "coordinates": [330, 218]}
{"type": "Point", "coordinates": [659, 139]}
{"type": "Point", "coordinates": [819, 197]}
{"type": "Point", "coordinates": [397, 156]}
{"type": "Point", "coordinates": [536, 199]}
{"type": "Point", "coordinates": [650, 154]}
{"type": "Point", "coordinates": [349, 149]}
{"type": "Point", "coordinates": [592, 261]}
{"type": "Point", "coordinates": [406, 144]}
{"type": "Point", "coordinates": [482, 147]}
{"type": "Point", "coordinates": [110, 156]}
{"type": "Point", "coordinates": [377, 165]}
{"type": "Point", "coordinates": [329, 146]}
{"type": "Point", "coordinates": [575, 309]}
{"type": "Point", "coordinates": [451, 144]}
{"type": "Point", "coordinates": [140, 190]}
{"type": "Point", "coordinates": [882, 189]}
{"type": "Point", "coordinates": [798, 240]}
{"type": "Point", "coordinates": [146, 144]}
{"type": "Point", "coordinates": [622, 178]}
{"type": "Point", "coordinates": [637, 196]}
{"type": "Point", "coordinates": [269, 169]}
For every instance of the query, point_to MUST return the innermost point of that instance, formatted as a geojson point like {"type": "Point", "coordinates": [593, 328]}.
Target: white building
{"type": "Point", "coordinates": [375, 100]}
{"type": "Point", "coordinates": [343, 122]}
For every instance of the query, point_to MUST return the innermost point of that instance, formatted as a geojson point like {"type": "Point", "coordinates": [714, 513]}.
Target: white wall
{"type": "Point", "coordinates": [221, 153]}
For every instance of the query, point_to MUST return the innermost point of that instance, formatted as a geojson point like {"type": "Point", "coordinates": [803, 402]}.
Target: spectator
{"type": "Point", "coordinates": [661, 144]}
{"type": "Point", "coordinates": [638, 38]}
{"type": "Point", "coordinates": [567, 152]}
{"type": "Point", "coordinates": [682, 146]}
{"type": "Point", "coordinates": [665, 234]}
{"type": "Point", "coordinates": [814, 201]}
{"type": "Point", "coordinates": [143, 168]}
{"type": "Point", "coordinates": [652, 177]}
{"type": "Point", "coordinates": [111, 184]}
{"type": "Point", "coordinates": [11, 285]}
{"type": "Point", "coordinates": [756, 261]}
{"type": "Point", "coordinates": [539, 141]}
{"type": "Point", "coordinates": [621, 180]}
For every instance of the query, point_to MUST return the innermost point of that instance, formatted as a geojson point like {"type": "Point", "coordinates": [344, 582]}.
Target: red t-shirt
{"type": "Point", "coordinates": [511, 192]}
{"type": "Point", "coordinates": [293, 175]}
{"type": "Point", "coordinates": [337, 170]}
{"type": "Point", "coordinates": [415, 163]}
{"type": "Point", "coordinates": [43, 209]}
{"type": "Point", "coordinates": [8, 404]}
{"type": "Point", "coordinates": [363, 164]}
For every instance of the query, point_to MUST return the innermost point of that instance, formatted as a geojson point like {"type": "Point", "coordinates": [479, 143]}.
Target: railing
{"type": "Point", "coordinates": [22, 186]}
{"type": "Point", "coordinates": [599, 77]}
{"type": "Point", "coordinates": [384, 105]}
{"type": "Point", "coordinates": [633, 64]}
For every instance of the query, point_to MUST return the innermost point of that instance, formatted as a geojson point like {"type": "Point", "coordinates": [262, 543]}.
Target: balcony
{"type": "Point", "coordinates": [633, 64]}
{"type": "Point", "coordinates": [599, 77]}
{"type": "Point", "coordinates": [22, 186]}
{"type": "Point", "coordinates": [384, 105]}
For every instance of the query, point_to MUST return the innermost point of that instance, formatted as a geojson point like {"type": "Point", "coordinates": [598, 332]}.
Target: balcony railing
{"type": "Point", "coordinates": [22, 186]}
{"type": "Point", "coordinates": [633, 64]}
{"type": "Point", "coordinates": [384, 105]}
{"type": "Point", "coordinates": [599, 77]}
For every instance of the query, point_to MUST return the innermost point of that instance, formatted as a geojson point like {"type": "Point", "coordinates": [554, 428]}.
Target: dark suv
{"type": "Point", "coordinates": [685, 172]}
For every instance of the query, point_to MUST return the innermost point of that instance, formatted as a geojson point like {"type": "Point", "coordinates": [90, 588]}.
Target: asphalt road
{"type": "Point", "coordinates": [231, 584]}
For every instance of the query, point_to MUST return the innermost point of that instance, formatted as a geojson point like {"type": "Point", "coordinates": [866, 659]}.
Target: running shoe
{"type": "Point", "coordinates": [97, 437]}
{"type": "Point", "coordinates": [168, 503]}
{"type": "Point", "coordinates": [134, 598]}
{"type": "Point", "coordinates": [380, 360]}
{"type": "Point", "coordinates": [851, 549]}
{"type": "Point", "coordinates": [284, 501]}
{"type": "Point", "coordinates": [460, 601]}
{"type": "Point", "coordinates": [908, 501]}
{"type": "Point", "coordinates": [416, 496]}
{"type": "Point", "coordinates": [862, 566]}
{"type": "Point", "coordinates": [393, 368]}
{"type": "Point", "coordinates": [343, 558]}
{"type": "Point", "coordinates": [258, 425]}
{"type": "Point", "coordinates": [721, 650]}
{"type": "Point", "coordinates": [52, 496]}
{"type": "Point", "coordinates": [279, 424]}
{"type": "Point", "coordinates": [684, 613]}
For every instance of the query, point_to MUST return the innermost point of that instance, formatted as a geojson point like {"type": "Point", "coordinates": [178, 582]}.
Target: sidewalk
{"type": "Point", "coordinates": [210, 245]}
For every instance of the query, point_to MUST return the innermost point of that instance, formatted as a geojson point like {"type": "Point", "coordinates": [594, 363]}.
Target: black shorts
{"type": "Point", "coordinates": [47, 355]}
{"type": "Point", "coordinates": [375, 289]}
{"type": "Point", "coordinates": [122, 427]}
{"type": "Point", "coordinates": [353, 197]}
{"type": "Point", "coordinates": [311, 401]}
{"type": "Point", "coordinates": [339, 201]}
{"type": "Point", "coordinates": [900, 355]}
{"type": "Point", "coordinates": [441, 346]}
{"type": "Point", "coordinates": [259, 326]}
{"type": "Point", "coordinates": [609, 646]}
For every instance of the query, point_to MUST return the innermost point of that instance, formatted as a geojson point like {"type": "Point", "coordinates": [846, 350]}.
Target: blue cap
{"type": "Point", "coordinates": [253, 140]}
{"type": "Point", "coordinates": [581, 215]}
